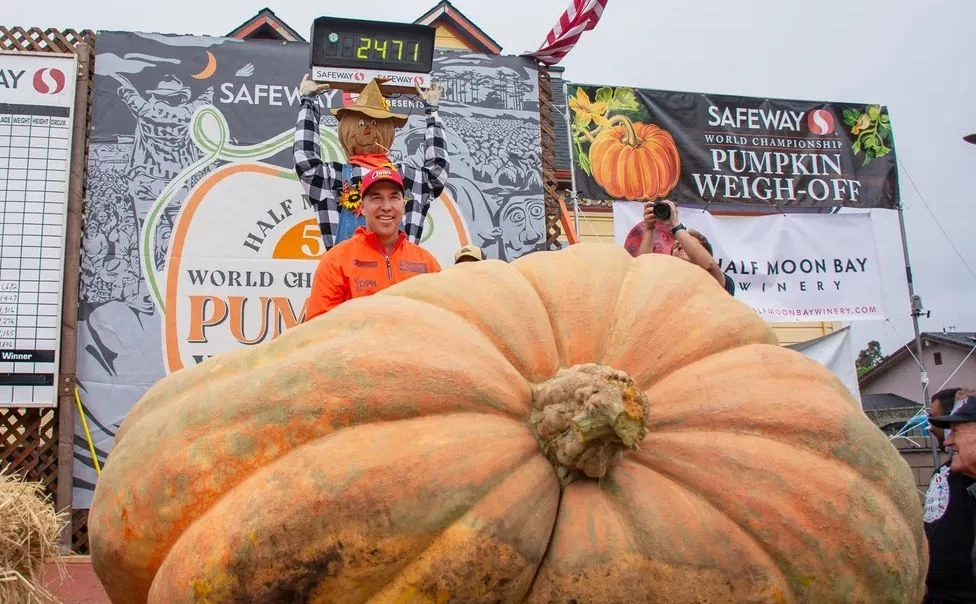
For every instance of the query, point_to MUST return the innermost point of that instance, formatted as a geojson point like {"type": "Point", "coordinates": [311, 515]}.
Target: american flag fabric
{"type": "Point", "coordinates": [582, 15]}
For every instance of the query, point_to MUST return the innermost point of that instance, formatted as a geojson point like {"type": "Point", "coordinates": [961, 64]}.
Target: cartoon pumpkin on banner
{"type": "Point", "coordinates": [630, 160]}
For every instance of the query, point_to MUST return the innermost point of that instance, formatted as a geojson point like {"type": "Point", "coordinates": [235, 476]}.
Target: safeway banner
{"type": "Point", "coordinates": [198, 239]}
{"type": "Point", "coordinates": [732, 151]}
{"type": "Point", "coordinates": [793, 267]}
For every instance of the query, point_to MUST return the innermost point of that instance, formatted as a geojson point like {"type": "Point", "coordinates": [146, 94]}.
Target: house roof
{"type": "Point", "coordinates": [958, 339]}
{"type": "Point", "coordinates": [563, 158]}
{"type": "Point", "coordinates": [265, 25]}
{"type": "Point", "coordinates": [445, 12]}
{"type": "Point", "coordinates": [877, 402]}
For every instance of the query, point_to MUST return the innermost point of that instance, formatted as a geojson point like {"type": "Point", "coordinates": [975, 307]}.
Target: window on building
{"type": "Point", "coordinates": [938, 358]}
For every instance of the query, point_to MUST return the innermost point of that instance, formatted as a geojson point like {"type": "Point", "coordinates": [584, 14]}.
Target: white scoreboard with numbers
{"type": "Point", "coordinates": [37, 92]}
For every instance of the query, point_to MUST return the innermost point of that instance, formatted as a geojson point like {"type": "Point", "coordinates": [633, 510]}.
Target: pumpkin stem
{"type": "Point", "coordinates": [585, 417]}
{"type": "Point", "coordinates": [631, 137]}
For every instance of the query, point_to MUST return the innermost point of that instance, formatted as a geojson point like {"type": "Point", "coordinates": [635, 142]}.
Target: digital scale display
{"type": "Point", "coordinates": [350, 52]}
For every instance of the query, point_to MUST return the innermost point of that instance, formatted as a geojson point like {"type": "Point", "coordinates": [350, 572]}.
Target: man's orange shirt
{"type": "Point", "coordinates": [360, 266]}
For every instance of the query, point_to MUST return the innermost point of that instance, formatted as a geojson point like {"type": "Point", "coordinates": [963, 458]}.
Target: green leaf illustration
{"type": "Point", "coordinates": [857, 147]}
{"type": "Point", "coordinates": [868, 156]}
{"type": "Point", "coordinates": [850, 116]}
{"type": "Point", "coordinates": [882, 151]}
{"type": "Point", "coordinates": [884, 132]}
{"type": "Point", "coordinates": [885, 119]}
{"type": "Point", "coordinates": [870, 141]}
{"type": "Point", "coordinates": [874, 112]}
{"type": "Point", "coordinates": [604, 95]}
{"type": "Point", "coordinates": [625, 99]}
{"type": "Point", "coordinates": [584, 163]}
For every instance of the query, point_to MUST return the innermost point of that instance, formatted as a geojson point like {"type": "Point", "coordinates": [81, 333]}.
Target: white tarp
{"type": "Point", "coordinates": [835, 352]}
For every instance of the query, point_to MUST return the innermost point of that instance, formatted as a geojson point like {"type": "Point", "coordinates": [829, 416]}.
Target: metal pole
{"type": "Point", "coordinates": [572, 171]}
{"type": "Point", "coordinates": [916, 311]}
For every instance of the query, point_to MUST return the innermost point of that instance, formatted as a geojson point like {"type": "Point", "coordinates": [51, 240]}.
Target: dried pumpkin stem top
{"type": "Point", "coordinates": [585, 417]}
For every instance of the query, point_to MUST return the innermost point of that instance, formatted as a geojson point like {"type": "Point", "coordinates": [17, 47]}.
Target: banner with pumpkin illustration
{"type": "Point", "coordinates": [737, 152]}
{"type": "Point", "coordinates": [198, 239]}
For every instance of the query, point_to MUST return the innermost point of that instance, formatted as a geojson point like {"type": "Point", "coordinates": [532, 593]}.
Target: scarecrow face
{"type": "Point", "coordinates": [361, 134]}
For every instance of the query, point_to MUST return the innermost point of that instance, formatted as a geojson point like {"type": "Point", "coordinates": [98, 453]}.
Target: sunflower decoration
{"type": "Point", "coordinates": [351, 199]}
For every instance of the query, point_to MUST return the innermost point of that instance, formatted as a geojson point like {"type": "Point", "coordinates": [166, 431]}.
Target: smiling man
{"type": "Point", "coordinates": [378, 254]}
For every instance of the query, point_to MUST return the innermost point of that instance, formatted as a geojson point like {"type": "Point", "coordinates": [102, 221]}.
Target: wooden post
{"type": "Point", "coordinates": [549, 184]}
{"type": "Point", "coordinates": [69, 300]}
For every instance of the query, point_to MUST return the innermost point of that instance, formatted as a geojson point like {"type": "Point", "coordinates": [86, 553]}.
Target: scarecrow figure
{"type": "Point", "coordinates": [366, 130]}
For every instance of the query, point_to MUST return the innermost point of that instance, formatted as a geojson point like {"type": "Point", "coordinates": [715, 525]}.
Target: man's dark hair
{"type": "Point", "coordinates": [701, 239]}
{"type": "Point", "coordinates": [946, 398]}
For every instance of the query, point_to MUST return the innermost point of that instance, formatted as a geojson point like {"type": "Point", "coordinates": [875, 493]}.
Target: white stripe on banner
{"type": "Point", "coordinates": [793, 267]}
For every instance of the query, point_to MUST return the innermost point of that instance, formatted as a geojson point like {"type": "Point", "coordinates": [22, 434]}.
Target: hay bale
{"type": "Point", "coordinates": [29, 533]}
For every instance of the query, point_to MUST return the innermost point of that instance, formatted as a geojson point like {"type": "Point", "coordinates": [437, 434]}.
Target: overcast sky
{"type": "Point", "coordinates": [911, 56]}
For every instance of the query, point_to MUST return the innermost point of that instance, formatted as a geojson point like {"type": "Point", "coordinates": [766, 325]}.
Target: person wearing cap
{"type": "Point", "coordinates": [469, 253]}
{"type": "Point", "coordinates": [376, 256]}
{"type": "Point", "coordinates": [366, 131]}
{"type": "Point", "coordinates": [950, 504]}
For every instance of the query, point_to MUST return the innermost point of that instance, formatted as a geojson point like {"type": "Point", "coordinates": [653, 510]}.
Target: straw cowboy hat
{"type": "Point", "coordinates": [371, 102]}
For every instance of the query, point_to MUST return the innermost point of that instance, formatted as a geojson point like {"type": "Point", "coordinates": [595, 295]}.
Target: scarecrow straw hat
{"type": "Point", "coordinates": [371, 102]}
{"type": "Point", "coordinates": [29, 540]}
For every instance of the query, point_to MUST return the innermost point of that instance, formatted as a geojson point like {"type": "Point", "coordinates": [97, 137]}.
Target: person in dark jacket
{"type": "Point", "coordinates": [950, 506]}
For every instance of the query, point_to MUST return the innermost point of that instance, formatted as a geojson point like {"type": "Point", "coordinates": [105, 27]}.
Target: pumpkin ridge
{"type": "Point", "coordinates": [312, 351]}
{"type": "Point", "coordinates": [410, 290]}
{"type": "Point", "coordinates": [769, 562]}
{"type": "Point", "coordinates": [286, 466]}
{"type": "Point", "coordinates": [470, 513]}
{"type": "Point", "coordinates": [647, 269]}
{"type": "Point", "coordinates": [876, 484]}
{"type": "Point", "coordinates": [905, 527]}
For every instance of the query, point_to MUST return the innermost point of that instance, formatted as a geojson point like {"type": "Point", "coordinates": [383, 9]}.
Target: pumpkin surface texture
{"type": "Point", "coordinates": [577, 426]}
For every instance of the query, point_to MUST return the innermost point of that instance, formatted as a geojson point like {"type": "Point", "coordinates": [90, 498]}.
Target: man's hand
{"type": "Point", "coordinates": [311, 88]}
{"type": "Point", "coordinates": [432, 96]}
{"type": "Point", "coordinates": [649, 215]}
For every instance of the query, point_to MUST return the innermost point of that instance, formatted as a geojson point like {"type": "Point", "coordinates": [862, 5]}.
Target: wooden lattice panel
{"type": "Point", "coordinates": [29, 445]}
{"type": "Point", "coordinates": [549, 182]}
{"type": "Point", "coordinates": [29, 437]}
{"type": "Point", "coordinates": [79, 532]}
{"type": "Point", "coordinates": [36, 39]}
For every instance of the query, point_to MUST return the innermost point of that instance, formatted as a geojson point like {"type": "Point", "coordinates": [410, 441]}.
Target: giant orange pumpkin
{"type": "Point", "coordinates": [635, 161]}
{"type": "Point", "coordinates": [575, 426]}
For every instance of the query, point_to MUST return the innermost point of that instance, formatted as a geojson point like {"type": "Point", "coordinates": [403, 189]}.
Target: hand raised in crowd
{"type": "Point", "coordinates": [432, 96]}
{"type": "Point", "coordinates": [310, 87]}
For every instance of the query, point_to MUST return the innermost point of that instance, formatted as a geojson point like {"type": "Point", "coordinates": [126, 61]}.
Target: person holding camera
{"type": "Point", "coordinates": [689, 245]}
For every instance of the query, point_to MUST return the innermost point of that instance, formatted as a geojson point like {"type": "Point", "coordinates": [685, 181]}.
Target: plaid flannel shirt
{"type": "Point", "coordinates": [322, 181]}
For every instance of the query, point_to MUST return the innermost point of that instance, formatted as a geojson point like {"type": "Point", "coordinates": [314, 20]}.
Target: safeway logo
{"type": "Point", "coordinates": [49, 80]}
{"type": "Point", "coordinates": [821, 122]}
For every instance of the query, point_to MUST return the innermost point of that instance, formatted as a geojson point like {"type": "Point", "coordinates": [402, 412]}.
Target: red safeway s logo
{"type": "Point", "coordinates": [359, 76]}
{"type": "Point", "coordinates": [821, 122]}
{"type": "Point", "coordinates": [49, 80]}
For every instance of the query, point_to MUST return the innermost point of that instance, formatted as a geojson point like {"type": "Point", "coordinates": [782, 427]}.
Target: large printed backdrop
{"type": "Point", "coordinates": [730, 151]}
{"type": "Point", "coordinates": [197, 236]}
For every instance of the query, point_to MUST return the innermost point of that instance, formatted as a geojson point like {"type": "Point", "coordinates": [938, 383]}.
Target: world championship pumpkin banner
{"type": "Point", "coordinates": [197, 236]}
{"type": "Point", "coordinates": [731, 151]}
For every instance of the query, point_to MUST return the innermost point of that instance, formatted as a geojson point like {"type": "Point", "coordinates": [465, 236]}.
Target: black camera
{"type": "Point", "coordinates": [662, 211]}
